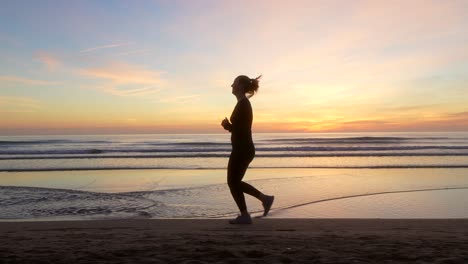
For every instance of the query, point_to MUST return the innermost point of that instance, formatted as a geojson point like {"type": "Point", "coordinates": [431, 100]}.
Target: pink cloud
{"type": "Point", "coordinates": [49, 60]}
{"type": "Point", "coordinates": [122, 73]}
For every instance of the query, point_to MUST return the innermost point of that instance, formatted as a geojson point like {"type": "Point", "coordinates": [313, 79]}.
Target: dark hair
{"type": "Point", "coordinates": [250, 85]}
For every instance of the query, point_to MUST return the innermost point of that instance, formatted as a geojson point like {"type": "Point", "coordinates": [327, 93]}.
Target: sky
{"type": "Point", "coordinates": [119, 67]}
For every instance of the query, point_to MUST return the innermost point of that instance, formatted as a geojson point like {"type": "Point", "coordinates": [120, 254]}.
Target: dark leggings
{"type": "Point", "coordinates": [238, 163]}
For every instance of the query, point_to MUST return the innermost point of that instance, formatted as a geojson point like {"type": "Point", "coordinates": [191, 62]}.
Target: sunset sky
{"type": "Point", "coordinates": [92, 67]}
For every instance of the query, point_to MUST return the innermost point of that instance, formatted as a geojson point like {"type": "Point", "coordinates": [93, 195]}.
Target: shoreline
{"type": "Point", "coordinates": [383, 167]}
{"type": "Point", "coordinates": [214, 240]}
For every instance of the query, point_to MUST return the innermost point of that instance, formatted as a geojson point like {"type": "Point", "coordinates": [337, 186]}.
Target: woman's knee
{"type": "Point", "coordinates": [233, 182]}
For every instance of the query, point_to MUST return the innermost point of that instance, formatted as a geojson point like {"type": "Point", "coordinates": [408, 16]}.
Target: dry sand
{"type": "Point", "coordinates": [212, 241]}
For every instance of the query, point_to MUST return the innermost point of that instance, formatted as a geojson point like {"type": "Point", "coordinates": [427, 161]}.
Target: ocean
{"type": "Point", "coordinates": [350, 175]}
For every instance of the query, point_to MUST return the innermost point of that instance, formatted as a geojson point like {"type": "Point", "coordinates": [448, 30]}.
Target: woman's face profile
{"type": "Point", "coordinates": [236, 87]}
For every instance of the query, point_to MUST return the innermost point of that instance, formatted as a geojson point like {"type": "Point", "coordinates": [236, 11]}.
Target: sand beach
{"type": "Point", "coordinates": [215, 241]}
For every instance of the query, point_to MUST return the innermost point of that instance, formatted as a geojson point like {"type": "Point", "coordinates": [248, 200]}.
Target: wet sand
{"type": "Point", "coordinates": [215, 241]}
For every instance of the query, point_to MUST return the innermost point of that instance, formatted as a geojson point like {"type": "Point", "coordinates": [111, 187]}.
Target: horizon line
{"type": "Point", "coordinates": [219, 133]}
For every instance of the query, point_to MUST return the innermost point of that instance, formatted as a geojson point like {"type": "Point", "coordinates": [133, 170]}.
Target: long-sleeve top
{"type": "Point", "coordinates": [241, 125]}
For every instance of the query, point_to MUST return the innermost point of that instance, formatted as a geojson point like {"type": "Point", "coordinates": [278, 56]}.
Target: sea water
{"type": "Point", "coordinates": [388, 175]}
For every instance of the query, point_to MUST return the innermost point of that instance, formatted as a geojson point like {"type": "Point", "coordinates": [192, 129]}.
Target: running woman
{"type": "Point", "coordinates": [243, 149]}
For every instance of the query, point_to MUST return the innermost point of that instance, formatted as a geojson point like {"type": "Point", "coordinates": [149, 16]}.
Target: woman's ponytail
{"type": "Point", "coordinates": [252, 87]}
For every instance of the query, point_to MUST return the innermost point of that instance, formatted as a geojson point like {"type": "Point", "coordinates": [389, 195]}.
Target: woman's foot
{"type": "Point", "coordinates": [267, 203]}
{"type": "Point", "coordinates": [243, 219]}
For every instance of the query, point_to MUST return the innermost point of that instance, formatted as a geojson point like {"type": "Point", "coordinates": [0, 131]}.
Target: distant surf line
{"type": "Point", "coordinates": [261, 155]}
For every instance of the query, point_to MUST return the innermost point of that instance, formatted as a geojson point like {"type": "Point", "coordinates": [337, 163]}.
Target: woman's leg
{"type": "Point", "coordinates": [237, 167]}
{"type": "Point", "coordinates": [236, 170]}
{"type": "Point", "coordinates": [249, 189]}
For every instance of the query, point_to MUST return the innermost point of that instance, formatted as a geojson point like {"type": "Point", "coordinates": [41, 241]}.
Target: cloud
{"type": "Point", "coordinates": [454, 121]}
{"type": "Point", "coordinates": [457, 121]}
{"type": "Point", "coordinates": [179, 99]}
{"type": "Point", "coordinates": [461, 116]}
{"type": "Point", "coordinates": [50, 61]}
{"type": "Point", "coordinates": [108, 46]}
{"type": "Point", "coordinates": [16, 79]}
{"type": "Point", "coordinates": [126, 80]}
{"type": "Point", "coordinates": [122, 73]}
{"type": "Point", "coordinates": [128, 92]}
{"type": "Point", "coordinates": [133, 52]}
{"type": "Point", "coordinates": [14, 104]}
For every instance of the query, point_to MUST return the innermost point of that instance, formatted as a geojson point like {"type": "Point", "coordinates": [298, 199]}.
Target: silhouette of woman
{"type": "Point", "coordinates": [243, 149]}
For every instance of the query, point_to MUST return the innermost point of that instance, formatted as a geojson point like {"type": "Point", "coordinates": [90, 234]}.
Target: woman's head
{"type": "Point", "coordinates": [244, 85]}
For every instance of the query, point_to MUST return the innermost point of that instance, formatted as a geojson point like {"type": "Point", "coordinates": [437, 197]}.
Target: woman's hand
{"type": "Point", "coordinates": [226, 124]}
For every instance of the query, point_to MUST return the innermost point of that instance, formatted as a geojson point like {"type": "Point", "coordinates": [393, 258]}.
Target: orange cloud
{"type": "Point", "coordinates": [14, 104]}
{"type": "Point", "coordinates": [457, 121]}
{"type": "Point", "coordinates": [179, 99]}
{"type": "Point", "coordinates": [121, 73]}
